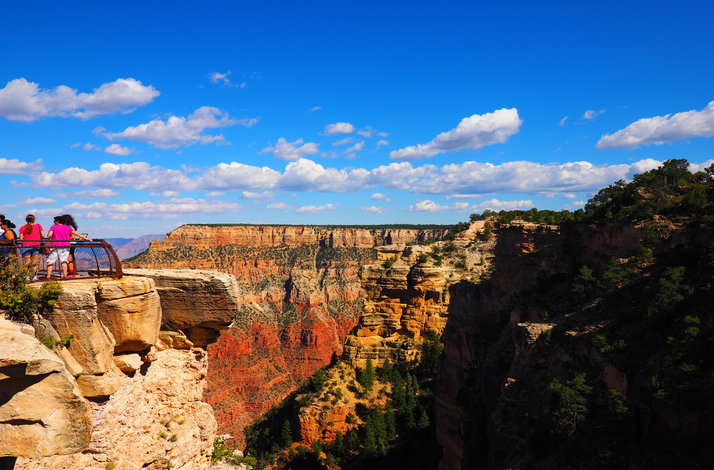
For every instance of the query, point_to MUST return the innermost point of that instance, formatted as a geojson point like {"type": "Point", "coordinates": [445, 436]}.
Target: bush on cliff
{"type": "Point", "coordinates": [20, 301]}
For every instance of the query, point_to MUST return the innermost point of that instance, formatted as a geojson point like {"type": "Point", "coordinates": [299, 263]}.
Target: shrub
{"type": "Point", "coordinates": [19, 300]}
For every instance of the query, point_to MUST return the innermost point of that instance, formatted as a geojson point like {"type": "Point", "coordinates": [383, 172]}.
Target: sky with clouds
{"type": "Point", "coordinates": [140, 117]}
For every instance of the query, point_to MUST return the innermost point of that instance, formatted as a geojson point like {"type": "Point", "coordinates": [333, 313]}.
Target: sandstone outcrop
{"type": "Point", "coordinates": [200, 303]}
{"type": "Point", "coordinates": [42, 411]}
{"type": "Point", "coordinates": [106, 316]}
{"type": "Point", "coordinates": [155, 420]}
{"type": "Point", "coordinates": [407, 295]}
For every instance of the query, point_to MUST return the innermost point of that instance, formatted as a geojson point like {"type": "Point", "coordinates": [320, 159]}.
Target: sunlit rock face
{"type": "Point", "coordinates": [299, 294]}
{"type": "Point", "coordinates": [154, 418]}
{"type": "Point", "coordinates": [42, 411]}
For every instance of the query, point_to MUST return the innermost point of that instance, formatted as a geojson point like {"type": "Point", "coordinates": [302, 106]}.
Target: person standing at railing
{"type": "Point", "coordinates": [60, 234]}
{"type": "Point", "coordinates": [67, 219]}
{"type": "Point", "coordinates": [31, 235]}
{"type": "Point", "coordinates": [8, 237]}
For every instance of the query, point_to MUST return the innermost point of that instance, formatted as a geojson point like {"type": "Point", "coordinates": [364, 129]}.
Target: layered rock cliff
{"type": "Point", "coordinates": [550, 365]}
{"type": "Point", "coordinates": [107, 379]}
{"type": "Point", "coordinates": [299, 296]}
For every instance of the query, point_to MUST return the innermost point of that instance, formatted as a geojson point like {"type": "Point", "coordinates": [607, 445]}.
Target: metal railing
{"type": "Point", "coordinates": [93, 259]}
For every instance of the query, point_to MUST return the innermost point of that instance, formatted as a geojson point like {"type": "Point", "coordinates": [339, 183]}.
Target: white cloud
{"type": "Point", "coordinates": [472, 133]}
{"type": "Point", "coordinates": [169, 209]}
{"type": "Point", "coordinates": [90, 194]}
{"type": "Point", "coordinates": [39, 200]}
{"type": "Point", "coordinates": [374, 209]}
{"type": "Point", "coordinates": [89, 147]}
{"type": "Point", "coordinates": [255, 195]}
{"type": "Point", "coordinates": [467, 178]}
{"type": "Point", "coordinates": [382, 143]}
{"type": "Point", "coordinates": [591, 114]}
{"type": "Point", "coordinates": [355, 148]}
{"type": "Point", "coordinates": [339, 128]}
{"type": "Point", "coordinates": [345, 141]}
{"type": "Point", "coordinates": [279, 206]}
{"type": "Point", "coordinates": [138, 175]}
{"type": "Point", "coordinates": [116, 149]}
{"type": "Point", "coordinates": [24, 101]}
{"type": "Point", "coordinates": [291, 150]}
{"type": "Point", "coordinates": [13, 166]}
{"type": "Point", "coordinates": [329, 207]}
{"type": "Point", "coordinates": [178, 131]}
{"type": "Point", "coordinates": [563, 120]}
{"type": "Point", "coordinates": [222, 79]}
{"type": "Point", "coordinates": [492, 204]}
{"type": "Point", "coordinates": [165, 194]}
{"type": "Point", "coordinates": [661, 129]}
{"type": "Point", "coordinates": [314, 108]}
{"type": "Point", "coordinates": [378, 196]}
{"type": "Point", "coordinates": [215, 194]}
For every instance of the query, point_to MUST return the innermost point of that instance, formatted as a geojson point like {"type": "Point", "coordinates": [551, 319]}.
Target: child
{"type": "Point", "coordinates": [60, 235]}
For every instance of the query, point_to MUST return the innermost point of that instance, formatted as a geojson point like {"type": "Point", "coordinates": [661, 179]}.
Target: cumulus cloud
{"type": "Point", "coordinates": [382, 143]}
{"type": "Point", "coordinates": [374, 209]}
{"type": "Point", "coordinates": [291, 150]}
{"type": "Point", "coordinates": [257, 195]}
{"type": "Point", "coordinates": [339, 128]}
{"type": "Point", "coordinates": [279, 206]}
{"type": "Point", "coordinates": [116, 149]}
{"type": "Point", "coordinates": [138, 175]}
{"type": "Point", "coordinates": [472, 133]}
{"type": "Point", "coordinates": [169, 209]}
{"type": "Point", "coordinates": [39, 200]}
{"type": "Point", "coordinates": [215, 194]}
{"type": "Point", "coordinates": [89, 194]}
{"type": "Point", "coordinates": [468, 178]}
{"type": "Point", "coordinates": [492, 204]}
{"type": "Point", "coordinates": [165, 194]}
{"type": "Point", "coordinates": [378, 196]}
{"type": "Point", "coordinates": [222, 79]}
{"type": "Point", "coordinates": [178, 131]}
{"type": "Point", "coordinates": [13, 166]}
{"type": "Point", "coordinates": [662, 129]}
{"type": "Point", "coordinates": [591, 114]}
{"type": "Point", "coordinates": [357, 147]}
{"type": "Point", "coordinates": [329, 207]}
{"type": "Point", "coordinates": [24, 101]}
{"type": "Point", "coordinates": [345, 141]}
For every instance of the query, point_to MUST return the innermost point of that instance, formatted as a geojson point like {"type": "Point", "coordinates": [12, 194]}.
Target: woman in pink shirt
{"type": "Point", "coordinates": [31, 235]}
{"type": "Point", "coordinates": [60, 235]}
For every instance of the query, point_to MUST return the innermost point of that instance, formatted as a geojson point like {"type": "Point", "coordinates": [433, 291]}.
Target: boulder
{"type": "Point", "coordinates": [99, 386]}
{"type": "Point", "coordinates": [128, 363]}
{"type": "Point", "coordinates": [42, 411]}
{"type": "Point", "coordinates": [173, 340]}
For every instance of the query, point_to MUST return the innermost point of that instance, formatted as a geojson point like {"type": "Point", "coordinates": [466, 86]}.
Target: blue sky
{"type": "Point", "coordinates": [140, 116]}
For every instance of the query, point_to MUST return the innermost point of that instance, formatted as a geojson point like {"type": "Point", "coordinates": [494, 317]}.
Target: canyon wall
{"type": "Point", "coordinates": [106, 387]}
{"type": "Point", "coordinates": [526, 348]}
{"type": "Point", "coordinates": [300, 295]}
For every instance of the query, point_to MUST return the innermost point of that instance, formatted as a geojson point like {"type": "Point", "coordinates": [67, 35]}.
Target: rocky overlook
{"type": "Point", "coordinates": [299, 296]}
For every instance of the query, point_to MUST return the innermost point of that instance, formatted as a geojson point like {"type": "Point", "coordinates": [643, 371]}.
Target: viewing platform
{"type": "Point", "coordinates": [95, 259]}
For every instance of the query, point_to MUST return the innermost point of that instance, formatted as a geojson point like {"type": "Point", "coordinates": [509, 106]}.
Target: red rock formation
{"type": "Point", "coordinates": [300, 293]}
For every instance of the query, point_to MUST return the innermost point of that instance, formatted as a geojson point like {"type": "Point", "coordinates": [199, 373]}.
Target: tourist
{"type": "Point", "coordinates": [31, 235]}
{"type": "Point", "coordinates": [7, 238]}
{"type": "Point", "coordinates": [60, 235]}
{"type": "Point", "coordinates": [67, 219]}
